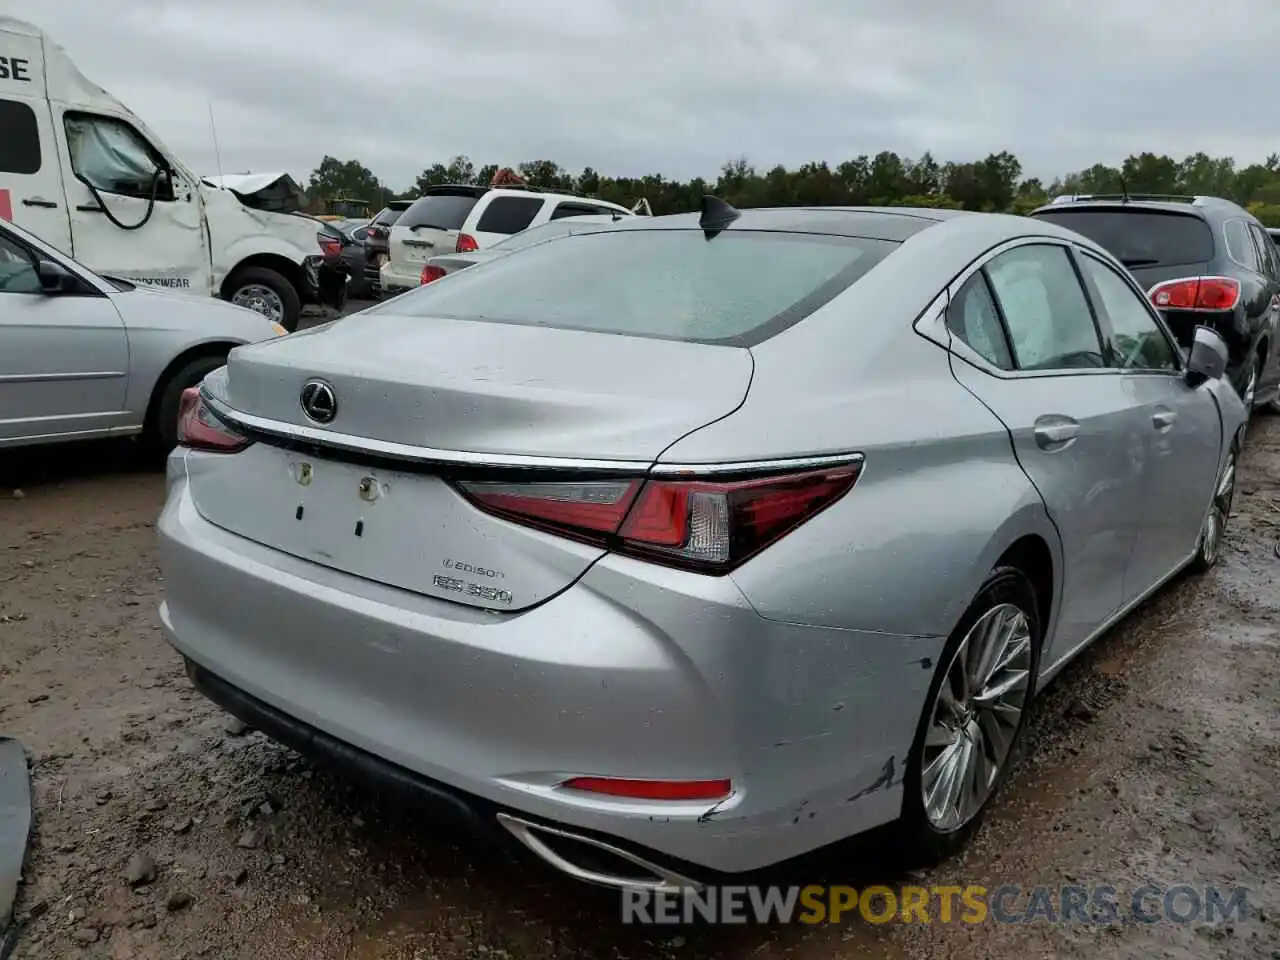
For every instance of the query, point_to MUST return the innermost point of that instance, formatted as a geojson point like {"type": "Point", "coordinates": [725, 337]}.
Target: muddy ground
{"type": "Point", "coordinates": [1154, 758]}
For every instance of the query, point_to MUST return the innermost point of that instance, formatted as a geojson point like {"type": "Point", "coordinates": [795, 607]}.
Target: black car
{"type": "Point", "coordinates": [1202, 260]}
{"type": "Point", "coordinates": [376, 248]}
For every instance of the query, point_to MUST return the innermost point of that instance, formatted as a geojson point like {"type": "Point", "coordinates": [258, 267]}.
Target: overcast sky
{"type": "Point", "coordinates": [681, 86]}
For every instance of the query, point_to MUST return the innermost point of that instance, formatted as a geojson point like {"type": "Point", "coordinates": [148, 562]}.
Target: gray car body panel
{"type": "Point", "coordinates": [801, 675]}
{"type": "Point", "coordinates": [82, 366]}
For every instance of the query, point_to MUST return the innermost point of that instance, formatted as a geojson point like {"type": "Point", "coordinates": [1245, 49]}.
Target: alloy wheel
{"type": "Point", "coordinates": [1215, 521]}
{"type": "Point", "coordinates": [1250, 388]}
{"type": "Point", "coordinates": [975, 715]}
{"type": "Point", "coordinates": [260, 299]}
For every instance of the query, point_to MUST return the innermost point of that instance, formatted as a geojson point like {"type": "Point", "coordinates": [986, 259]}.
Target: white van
{"type": "Point", "coordinates": [79, 170]}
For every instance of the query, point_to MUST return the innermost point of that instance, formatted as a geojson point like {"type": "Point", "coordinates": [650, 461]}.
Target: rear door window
{"type": "Point", "coordinates": [738, 289]}
{"type": "Point", "coordinates": [1267, 252]}
{"type": "Point", "coordinates": [563, 210]}
{"type": "Point", "coordinates": [508, 214]}
{"type": "Point", "coordinates": [1141, 238]}
{"type": "Point", "coordinates": [1049, 320]}
{"type": "Point", "coordinates": [441, 211]}
{"type": "Point", "coordinates": [1240, 244]}
{"type": "Point", "coordinates": [20, 144]}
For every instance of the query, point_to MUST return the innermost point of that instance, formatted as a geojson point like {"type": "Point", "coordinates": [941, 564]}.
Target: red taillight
{"type": "Point", "coordinates": [1196, 293]}
{"type": "Point", "coordinates": [652, 789]}
{"type": "Point", "coordinates": [330, 247]}
{"type": "Point", "coordinates": [431, 272]}
{"type": "Point", "coordinates": [199, 429]}
{"type": "Point", "coordinates": [708, 526]}
{"type": "Point", "coordinates": [466, 243]}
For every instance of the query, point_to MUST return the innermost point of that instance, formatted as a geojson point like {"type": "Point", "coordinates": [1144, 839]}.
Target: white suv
{"type": "Point", "coordinates": [460, 219]}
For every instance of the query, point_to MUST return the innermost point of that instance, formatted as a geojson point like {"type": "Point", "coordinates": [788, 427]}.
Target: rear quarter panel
{"type": "Point", "coordinates": [941, 495]}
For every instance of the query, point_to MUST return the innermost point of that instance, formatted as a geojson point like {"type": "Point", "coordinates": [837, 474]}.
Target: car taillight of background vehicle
{"type": "Point", "coordinates": [466, 244]}
{"type": "Point", "coordinates": [1196, 293]}
{"type": "Point", "coordinates": [199, 429]}
{"type": "Point", "coordinates": [431, 272]}
{"type": "Point", "coordinates": [704, 525]}
{"type": "Point", "coordinates": [330, 246]}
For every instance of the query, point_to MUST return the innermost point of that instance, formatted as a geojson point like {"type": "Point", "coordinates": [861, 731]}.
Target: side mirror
{"type": "Point", "coordinates": [55, 278]}
{"type": "Point", "coordinates": [1208, 357]}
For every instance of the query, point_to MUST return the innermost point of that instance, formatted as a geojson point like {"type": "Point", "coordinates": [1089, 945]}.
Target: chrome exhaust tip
{"type": "Point", "coordinates": [597, 862]}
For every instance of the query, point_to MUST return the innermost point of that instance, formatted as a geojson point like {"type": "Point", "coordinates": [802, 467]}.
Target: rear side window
{"type": "Point", "coordinates": [1141, 238]}
{"type": "Point", "coordinates": [441, 211]}
{"type": "Point", "coordinates": [1266, 250]}
{"type": "Point", "coordinates": [563, 210]}
{"type": "Point", "coordinates": [387, 217]}
{"type": "Point", "coordinates": [20, 145]}
{"type": "Point", "coordinates": [508, 214]}
{"type": "Point", "coordinates": [1240, 244]}
{"type": "Point", "coordinates": [974, 319]}
{"type": "Point", "coordinates": [739, 288]}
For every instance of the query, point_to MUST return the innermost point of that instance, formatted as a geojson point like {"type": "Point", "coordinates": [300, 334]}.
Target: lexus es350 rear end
{"type": "Point", "coordinates": [642, 546]}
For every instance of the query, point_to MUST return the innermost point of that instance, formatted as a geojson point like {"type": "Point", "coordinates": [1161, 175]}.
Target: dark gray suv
{"type": "Point", "coordinates": [1203, 261]}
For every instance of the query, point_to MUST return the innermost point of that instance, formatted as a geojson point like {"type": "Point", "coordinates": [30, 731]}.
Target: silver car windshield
{"type": "Point", "coordinates": [738, 288]}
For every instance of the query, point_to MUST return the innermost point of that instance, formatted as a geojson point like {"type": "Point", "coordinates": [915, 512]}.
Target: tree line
{"type": "Point", "coordinates": [886, 179]}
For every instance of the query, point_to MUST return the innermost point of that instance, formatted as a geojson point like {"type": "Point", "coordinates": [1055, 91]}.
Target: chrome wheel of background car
{"type": "Point", "coordinates": [1215, 522]}
{"type": "Point", "coordinates": [261, 299]}
{"type": "Point", "coordinates": [1250, 388]}
{"type": "Point", "coordinates": [975, 715]}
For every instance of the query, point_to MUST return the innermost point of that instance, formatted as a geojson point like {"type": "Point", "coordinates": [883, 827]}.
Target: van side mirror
{"type": "Point", "coordinates": [56, 279]}
{"type": "Point", "coordinates": [1208, 357]}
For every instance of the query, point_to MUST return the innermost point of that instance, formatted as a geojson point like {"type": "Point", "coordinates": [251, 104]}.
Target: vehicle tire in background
{"type": "Point", "coordinates": [161, 432]}
{"type": "Point", "coordinates": [973, 717]}
{"type": "Point", "coordinates": [267, 292]}
{"type": "Point", "coordinates": [1213, 531]}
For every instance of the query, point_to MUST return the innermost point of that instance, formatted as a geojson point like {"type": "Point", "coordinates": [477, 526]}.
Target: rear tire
{"type": "Point", "coordinates": [973, 732]}
{"type": "Point", "coordinates": [267, 292]}
{"type": "Point", "coordinates": [161, 433]}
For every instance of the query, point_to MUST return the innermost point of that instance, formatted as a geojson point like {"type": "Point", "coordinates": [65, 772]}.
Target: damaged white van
{"type": "Point", "coordinates": [82, 172]}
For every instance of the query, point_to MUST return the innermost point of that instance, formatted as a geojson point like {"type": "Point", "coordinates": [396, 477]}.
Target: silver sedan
{"type": "Point", "coordinates": [690, 544]}
{"type": "Point", "coordinates": [84, 356]}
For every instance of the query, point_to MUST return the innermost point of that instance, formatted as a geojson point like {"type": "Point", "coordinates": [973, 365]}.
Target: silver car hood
{"type": "Point", "coordinates": [491, 388]}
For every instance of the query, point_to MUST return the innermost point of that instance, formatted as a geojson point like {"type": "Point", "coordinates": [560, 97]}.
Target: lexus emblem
{"type": "Point", "coordinates": [319, 402]}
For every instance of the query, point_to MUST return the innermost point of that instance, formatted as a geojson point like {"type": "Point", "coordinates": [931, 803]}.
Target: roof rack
{"type": "Point", "coordinates": [1128, 197]}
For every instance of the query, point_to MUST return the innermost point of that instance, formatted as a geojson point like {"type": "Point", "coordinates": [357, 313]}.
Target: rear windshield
{"type": "Point", "coordinates": [440, 211]}
{"type": "Point", "coordinates": [739, 288]}
{"type": "Point", "coordinates": [1141, 238]}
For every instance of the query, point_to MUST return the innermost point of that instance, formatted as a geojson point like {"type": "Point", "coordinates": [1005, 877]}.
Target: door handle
{"type": "Point", "coordinates": [88, 208]}
{"type": "Point", "coordinates": [38, 202]}
{"type": "Point", "coordinates": [1054, 432]}
{"type": "Point", "coordinates": [1163, 418]}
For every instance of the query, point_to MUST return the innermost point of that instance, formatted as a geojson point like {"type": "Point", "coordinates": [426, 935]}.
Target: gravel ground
{"type": "Point", "coordinates": [165, 832]}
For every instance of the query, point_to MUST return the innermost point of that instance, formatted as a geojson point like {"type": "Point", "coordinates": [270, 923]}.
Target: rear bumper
{"type": "Point", "coordinates": [394, 277]}
{"type": "Point", "coordinates": [633, 671]}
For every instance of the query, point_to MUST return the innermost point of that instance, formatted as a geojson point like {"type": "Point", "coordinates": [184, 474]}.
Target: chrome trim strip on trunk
{"type": "Point", "coordinates": [412, 453]}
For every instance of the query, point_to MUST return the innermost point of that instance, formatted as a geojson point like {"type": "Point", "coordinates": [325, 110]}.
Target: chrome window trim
{"type": "Point", "coordinates": [963, 351]}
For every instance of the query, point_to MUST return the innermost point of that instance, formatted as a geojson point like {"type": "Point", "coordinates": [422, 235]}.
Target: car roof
{"type": "Point", "coordinates": [1206, 208]}
{"type": "Point", "coordinates": [875, 223]}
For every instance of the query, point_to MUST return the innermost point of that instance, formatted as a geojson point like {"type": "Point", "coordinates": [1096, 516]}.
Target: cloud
{"type": "Point", "coordinates": [680, 86]}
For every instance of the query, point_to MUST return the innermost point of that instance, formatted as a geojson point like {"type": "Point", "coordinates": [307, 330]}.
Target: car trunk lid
{"type": "Point", "coordinates": [453, 394]}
